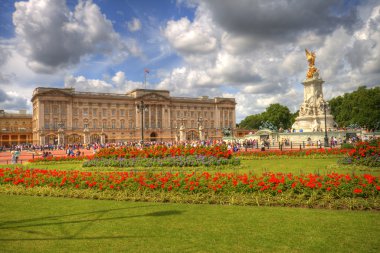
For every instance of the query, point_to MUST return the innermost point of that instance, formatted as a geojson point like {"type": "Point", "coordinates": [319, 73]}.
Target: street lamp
{"type": "Point", "coordinates": [142, 108]}
{"type": "Point", "coordinates": [326, 138]}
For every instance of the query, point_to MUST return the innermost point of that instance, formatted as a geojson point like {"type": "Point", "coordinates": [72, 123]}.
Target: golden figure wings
{"type": "Point", "coordinates": [310, 56]}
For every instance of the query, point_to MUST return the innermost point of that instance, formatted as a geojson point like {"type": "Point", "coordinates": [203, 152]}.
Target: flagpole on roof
{"type": "Point", "coordinates": [146, 71]}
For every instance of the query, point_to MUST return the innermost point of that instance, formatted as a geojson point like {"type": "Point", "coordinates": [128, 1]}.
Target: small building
{"type": "Point", "coordinates": [15, 128]}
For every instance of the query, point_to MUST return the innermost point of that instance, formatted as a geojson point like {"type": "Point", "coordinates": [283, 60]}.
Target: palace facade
{"type": "Point", "coordinates": [66, 116]}
{"type": "Point", "coordinates": [15, 128]}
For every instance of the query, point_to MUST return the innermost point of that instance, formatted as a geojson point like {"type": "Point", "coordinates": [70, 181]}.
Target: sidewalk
{"type": "Point", "coordinates": [25, 155]}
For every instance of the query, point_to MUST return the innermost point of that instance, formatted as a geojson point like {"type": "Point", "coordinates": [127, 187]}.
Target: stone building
{"type": "Point", "coordinates": [66, 116]}
{"type": "Point", "coordinates": [15, 128]}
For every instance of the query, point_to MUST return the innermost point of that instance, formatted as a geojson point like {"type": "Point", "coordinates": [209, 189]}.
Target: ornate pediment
{"type": "Point", "coordinates": [226, 102]}
{"type": "Point", "coordinates": [53, 92]}
{"type": "Point", "coordinates": [153, 96]}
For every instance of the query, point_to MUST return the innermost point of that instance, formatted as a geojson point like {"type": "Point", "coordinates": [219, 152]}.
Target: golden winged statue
{"type": "Point", "coordinates": [310, 56]}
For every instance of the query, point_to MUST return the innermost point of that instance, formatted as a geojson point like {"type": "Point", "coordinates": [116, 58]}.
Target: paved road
{"type": "Point", "coordinates": [6, 157]}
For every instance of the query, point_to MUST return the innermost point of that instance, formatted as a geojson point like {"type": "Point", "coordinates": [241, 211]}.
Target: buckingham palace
{"type": "Point", "coordinates": [65, 116]}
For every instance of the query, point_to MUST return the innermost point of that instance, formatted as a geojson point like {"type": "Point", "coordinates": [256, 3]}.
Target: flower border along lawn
{"type": "Point", "coordinates": [328, 191]}
{"type": "Point", "coordinates": [36, 224]}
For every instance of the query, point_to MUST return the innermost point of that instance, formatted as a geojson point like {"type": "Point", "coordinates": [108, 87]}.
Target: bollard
{"type": "Point", "coordinates": [303, 144]}
{"type": "Point", "coordinates": [291, 145]}
{"type": "Point", "coordinates": [32, 156]}
{"type": "Point", "coordinates": [300, 147]}
{"type": "Point", "coordinates": [281, 147]}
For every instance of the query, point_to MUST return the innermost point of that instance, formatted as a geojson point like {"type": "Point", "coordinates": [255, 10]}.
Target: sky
{"type": "Point", "coordinates": [251, 50]}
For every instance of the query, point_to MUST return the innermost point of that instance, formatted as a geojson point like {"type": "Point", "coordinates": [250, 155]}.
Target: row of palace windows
{"type": "Point", "coordinates": [193, 114]}
{"type": "Point", "coordinates": [103, 124]}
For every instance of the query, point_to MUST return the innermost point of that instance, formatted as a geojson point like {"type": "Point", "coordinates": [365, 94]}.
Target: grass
{"type": "Point", "coordinates": [294, 165]}
{"type": "Point", "coordinates": [46, 224]}
{"type": "Point", "coordinates": [302, 165]}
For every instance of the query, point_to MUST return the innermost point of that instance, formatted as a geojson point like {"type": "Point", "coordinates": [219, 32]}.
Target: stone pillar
{"type": "Point", "coordinates": [182, 133]}
{"type": "Point", "coordinates": [102, 138]}
{"type": "Point", "coordinates": [86, 133]}
{"type": "Point", "coordinates": [201, 135]}
{"type": "Point", "coordinates": [61, 137]}
{"type": "Point", "coordinates": [42, 138]}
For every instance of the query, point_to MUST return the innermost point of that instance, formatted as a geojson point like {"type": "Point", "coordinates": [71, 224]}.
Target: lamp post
{"type": "Point", "coordinates": [142, 108]}
{"type": "Point", "coordinates": [326, 138]}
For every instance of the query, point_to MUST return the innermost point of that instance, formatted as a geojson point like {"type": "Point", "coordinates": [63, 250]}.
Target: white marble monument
{"type": "Point", "coordinates": [313, 109]}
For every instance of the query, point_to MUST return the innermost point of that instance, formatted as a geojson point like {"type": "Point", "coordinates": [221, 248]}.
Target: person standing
{"type": "Point", "coordinates": [17, 154]}
{"type": "Point", "coordinates": [13, 157]}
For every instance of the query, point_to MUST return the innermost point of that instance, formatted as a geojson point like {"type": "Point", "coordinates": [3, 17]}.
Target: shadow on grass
{"type": "Point", "coordinates": [69, 215]}
{"type": "Point", "coordinates": [22, 226]}
{"type": "Point", "coordinates": [70, 238]}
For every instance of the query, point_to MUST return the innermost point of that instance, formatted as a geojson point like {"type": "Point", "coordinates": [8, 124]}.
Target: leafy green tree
{"type": "Point", "coordinates": [360, 107]}
{"type": "Point", "coordinates": [251, 122]}
{"type": "Point", "coordinates": [278, 115]}
{"type": "Point", "coordinates": [294, 116]}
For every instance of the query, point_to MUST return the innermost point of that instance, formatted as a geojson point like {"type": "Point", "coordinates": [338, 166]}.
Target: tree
{"type": "Point", "coordinates": [360, 107]}
{"type": "Point", "coordinates": [277, 114]}
{"type": "Point", "coordinates": [251, 122]}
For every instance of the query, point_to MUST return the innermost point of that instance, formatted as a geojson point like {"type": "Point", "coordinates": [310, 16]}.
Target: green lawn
{"type": "Point", "coordinates": [45, 224]}
{"type": "Point", "coordinates": [294, 165]}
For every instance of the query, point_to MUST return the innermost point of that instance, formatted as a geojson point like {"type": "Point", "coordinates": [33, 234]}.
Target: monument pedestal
{"type": "Point", "coordinates": [313, 109]}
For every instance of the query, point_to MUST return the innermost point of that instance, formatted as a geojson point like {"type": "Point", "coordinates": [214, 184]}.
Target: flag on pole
{"type": "Point", "coordinates": [146, 71]}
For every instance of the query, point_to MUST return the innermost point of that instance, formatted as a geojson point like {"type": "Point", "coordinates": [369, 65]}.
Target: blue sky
{"type": "Point", "coordinates": [250, 50]}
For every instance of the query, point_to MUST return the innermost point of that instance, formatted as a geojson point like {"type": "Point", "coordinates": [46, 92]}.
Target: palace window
{"type": "Point", "coordinates": [47, 109]}
{"type": "Point", "coordinates": [85, 112]}
{"type": "Point", "coordinates": [75, 123]}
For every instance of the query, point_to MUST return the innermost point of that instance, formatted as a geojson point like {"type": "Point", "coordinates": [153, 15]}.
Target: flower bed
{"type": "Point", "coordinates": [164, 151]}
{"type": "Point", "coordinates": [176, 161]}
{"type": "Point", "coordinates": [281, 188]}
{"type": "Point", "coordinates": [58, 159]}
{"type": "Point", "coordinates": [364, 153]}
{"type": "Point", "coordinates": [308, 153]}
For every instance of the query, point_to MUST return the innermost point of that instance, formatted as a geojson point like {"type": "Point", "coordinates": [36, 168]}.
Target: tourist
{"type": "Point", "coordinates": [13, 157]}
{"type": "Point", "coordinates": [17, 154]}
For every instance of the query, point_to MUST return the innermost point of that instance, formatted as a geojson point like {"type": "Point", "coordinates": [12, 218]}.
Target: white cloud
{"type": "Point", "coordinates": [198, 37]}
{"type": "Point", "coordinates": [52, 37]}
{"type": "Point", "coordinates": [134, 25]}
{"type": "Point", "coordinates": [119, 78]}
{"type": "Point", "coordinates": [243, 52]}
{"type": "Point", "coordinates": [119, 84]}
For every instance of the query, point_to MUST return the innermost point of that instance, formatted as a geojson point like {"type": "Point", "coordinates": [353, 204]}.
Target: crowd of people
{"type": "Point", "coordinates": [78, 149]}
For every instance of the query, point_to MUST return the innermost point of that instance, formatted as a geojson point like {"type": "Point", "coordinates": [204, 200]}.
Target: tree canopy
{"type": "Point", "coordinates": [361, 107]}
{"type": "Point", "coordinates": [277, 114]}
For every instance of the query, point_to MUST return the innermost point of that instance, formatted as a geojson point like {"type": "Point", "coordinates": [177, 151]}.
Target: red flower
{"type": "Point", "coordinates": [358, 191]}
